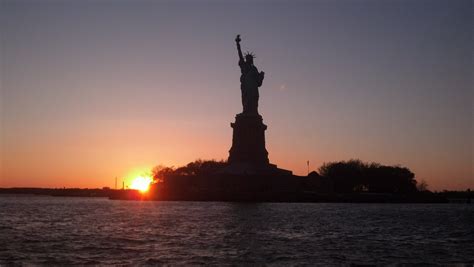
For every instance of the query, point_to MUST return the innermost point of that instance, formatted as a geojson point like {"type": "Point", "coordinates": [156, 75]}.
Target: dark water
{"type": "Point", "coordinates": [49, 230]}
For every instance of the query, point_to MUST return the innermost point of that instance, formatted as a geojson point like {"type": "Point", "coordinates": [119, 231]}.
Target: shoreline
{"type": "Point", "coordinates": [459, 197]}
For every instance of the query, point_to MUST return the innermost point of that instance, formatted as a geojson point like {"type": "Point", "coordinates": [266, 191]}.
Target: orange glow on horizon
{"type": "Point", "coordinates": [141, 183]}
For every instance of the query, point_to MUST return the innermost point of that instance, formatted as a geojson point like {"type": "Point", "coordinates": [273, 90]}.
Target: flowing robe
{"type": "Point", "coordinates": [250, 80]}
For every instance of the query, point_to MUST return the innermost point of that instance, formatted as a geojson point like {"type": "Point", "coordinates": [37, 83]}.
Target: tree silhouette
{"type": "Point", "coordinates": [355, 175]}
{"type": "Point", "coordinates": [159, 172]}
{"type": "Point", "coordinates": [197, 167]}
{"type": "Point", "coordinates": [422, 186]}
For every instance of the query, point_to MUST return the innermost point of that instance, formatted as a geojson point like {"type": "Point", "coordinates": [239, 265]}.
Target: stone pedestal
{"type": "Point", "coordinates": [248, 155]}
{"type": "Point", "coordinates": [248, 140]}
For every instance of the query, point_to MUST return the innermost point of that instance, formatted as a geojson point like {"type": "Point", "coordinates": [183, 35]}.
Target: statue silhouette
{"type": "Point", "coordinates": [250, 80]}
{"type": "Point", "coordinates": [248, 155]}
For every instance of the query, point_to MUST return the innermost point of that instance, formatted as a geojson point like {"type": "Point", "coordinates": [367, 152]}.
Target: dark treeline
{"type": "Point", "coordinates": [198, 167]}
{"type": "Point", "coordinates": [346, 176]}
{"type": "Point", "coordinates": [357, 176]}
{"type": "Point", "coordinates": [345, 181]}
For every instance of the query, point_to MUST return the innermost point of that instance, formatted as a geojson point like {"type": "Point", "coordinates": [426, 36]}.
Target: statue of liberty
{"type": "Point", "coordinates": [250, 80]}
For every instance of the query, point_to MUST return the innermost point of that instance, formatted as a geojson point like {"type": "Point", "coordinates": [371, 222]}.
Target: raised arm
{"type": "Point", "coordinates": [237, 41]}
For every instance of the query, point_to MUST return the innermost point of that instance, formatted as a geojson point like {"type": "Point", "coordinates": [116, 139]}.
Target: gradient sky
{"type": "Point", "coordinates": [93, 90]}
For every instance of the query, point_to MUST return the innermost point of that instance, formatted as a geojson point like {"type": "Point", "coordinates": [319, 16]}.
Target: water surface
{"type": "Point", "coordinates": [62, 230]}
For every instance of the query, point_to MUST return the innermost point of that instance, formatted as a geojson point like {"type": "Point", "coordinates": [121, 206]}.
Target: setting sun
{"type": "Point", "coordinates": [141, 183]}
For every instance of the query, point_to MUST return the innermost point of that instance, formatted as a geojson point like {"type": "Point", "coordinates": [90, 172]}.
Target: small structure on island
{"type": "Point", "coordinates": [248, 154]}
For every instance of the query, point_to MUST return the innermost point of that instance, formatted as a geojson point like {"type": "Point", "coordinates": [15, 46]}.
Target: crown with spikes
{"type": "Point", "coordinates": [249, 54]}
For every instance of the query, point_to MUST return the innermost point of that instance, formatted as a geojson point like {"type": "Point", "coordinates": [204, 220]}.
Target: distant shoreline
{"type": "Point", "coordinates": [307, 197]}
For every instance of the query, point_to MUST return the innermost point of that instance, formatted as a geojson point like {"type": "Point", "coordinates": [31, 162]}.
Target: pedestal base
{"type": "Point", "coordinates": [248, 140]}
{"type": "Point", "coordinates": [248, 169]}
{"type": "Point", "coordinates": [248, 155]}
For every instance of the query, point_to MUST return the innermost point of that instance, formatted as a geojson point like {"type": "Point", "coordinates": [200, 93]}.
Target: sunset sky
{"type": "Point", "coordinates": [93, 90]}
